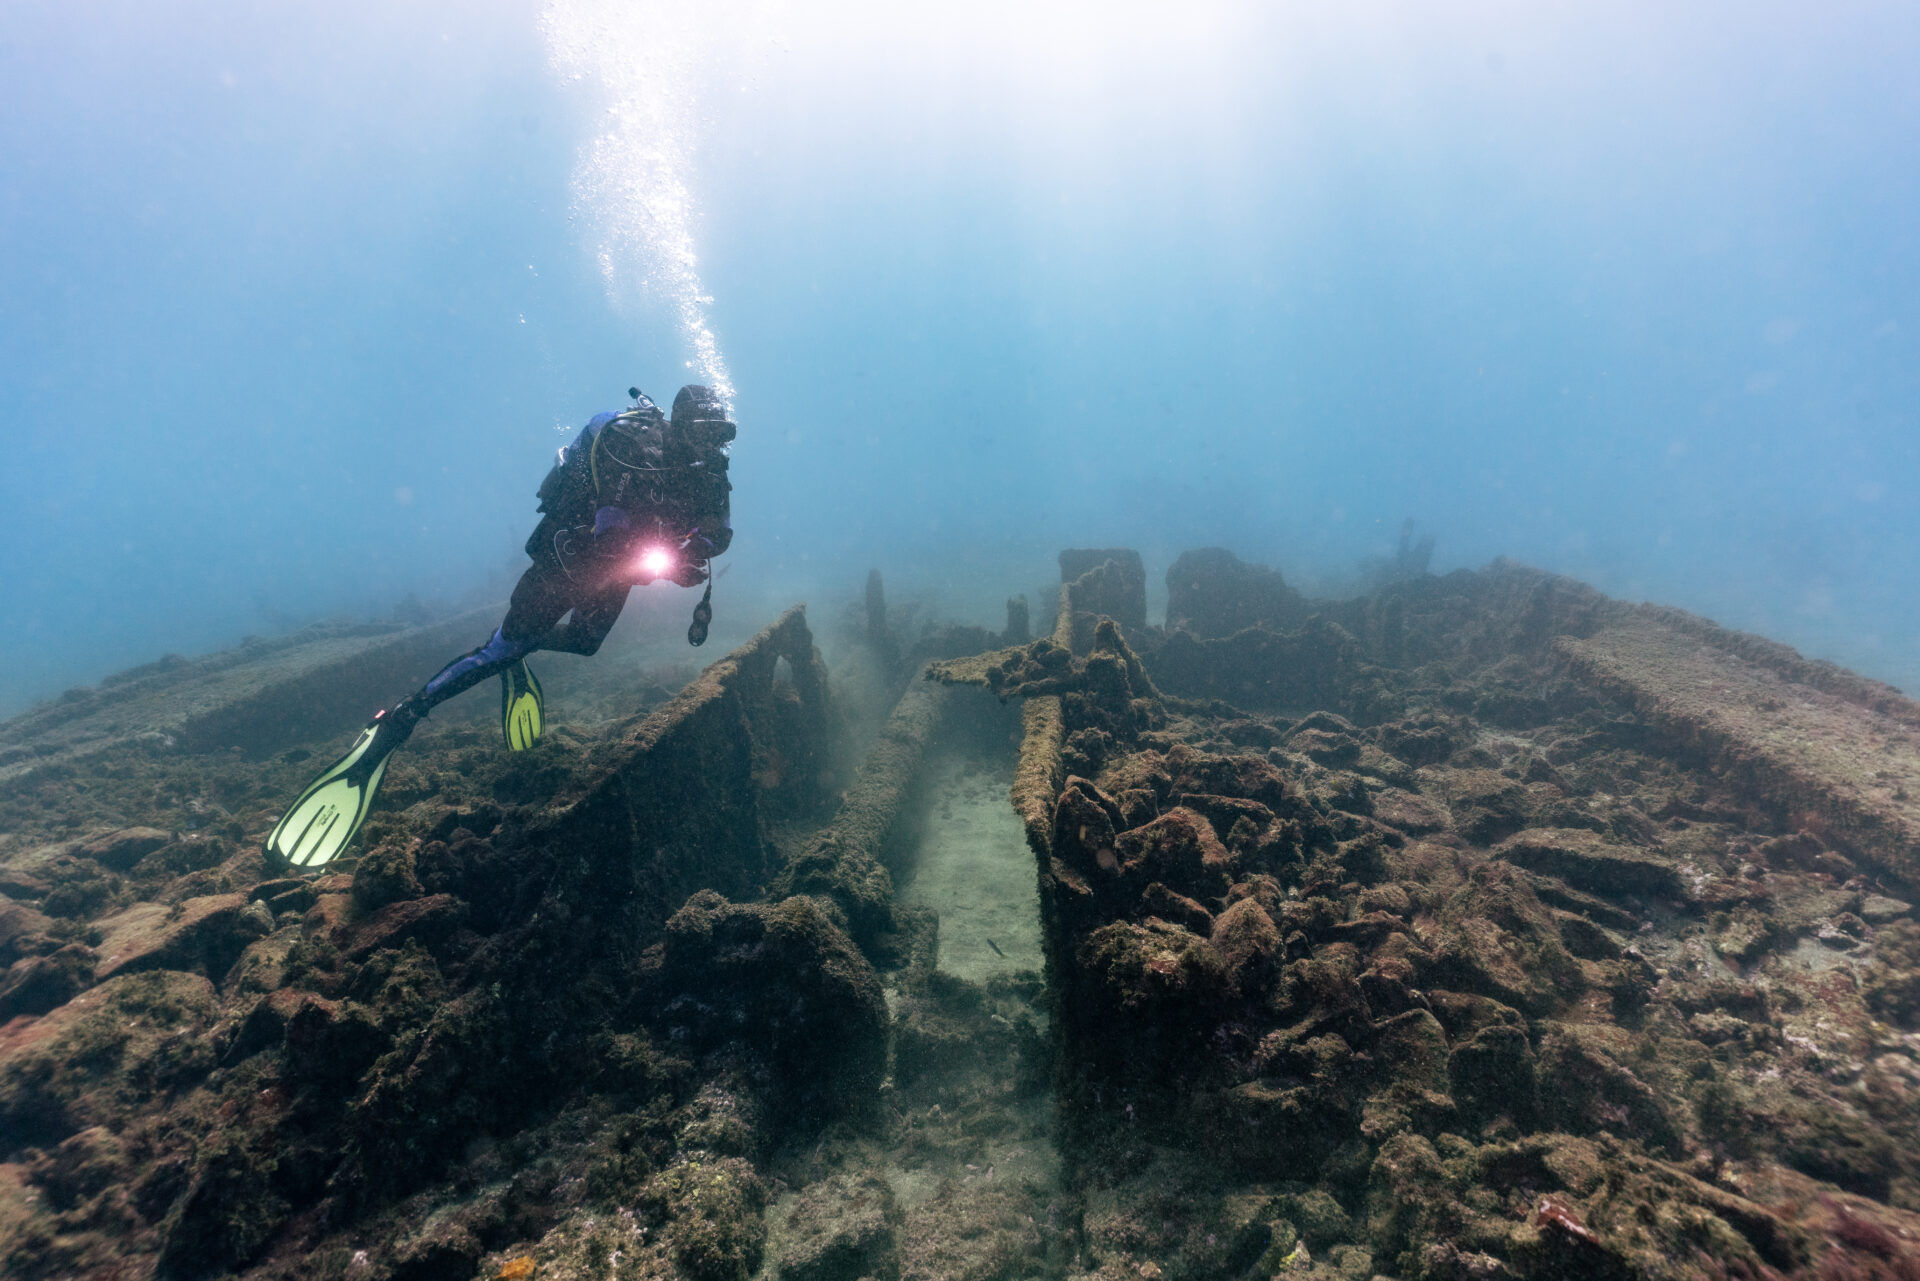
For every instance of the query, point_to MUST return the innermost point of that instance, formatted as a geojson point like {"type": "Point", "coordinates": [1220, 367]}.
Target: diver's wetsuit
{"type": "Point", "coordinates": [574, 548]}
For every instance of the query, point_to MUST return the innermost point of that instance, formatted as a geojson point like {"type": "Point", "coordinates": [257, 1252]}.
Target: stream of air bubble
{"type": "Point", "coordinates": [630, 187]}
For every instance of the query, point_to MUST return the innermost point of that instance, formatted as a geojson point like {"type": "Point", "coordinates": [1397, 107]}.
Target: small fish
{"type": "Point", "coordinates": [996, 948]}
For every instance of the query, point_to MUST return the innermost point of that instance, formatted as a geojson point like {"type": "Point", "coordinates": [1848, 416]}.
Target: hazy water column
{"type": "Point", "coordinates": [644, 67]}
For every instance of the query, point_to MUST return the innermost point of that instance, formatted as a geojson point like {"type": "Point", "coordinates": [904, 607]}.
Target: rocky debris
{"type": "Point", "coordinates": [1409, 812]}
{"type": "Point", "coordinates": [843, 1226]}
{"type": "Point", "coordinates": [1444, 960]}
{"type": "Point", "coordinates": [37, 984]}
{"type": "Point", "coordinates": [430, 921]}
{"type": "Point", "coordinates": [22, 930]}
{"type": "Point", "coordinates": [784, 981]}
{"type": "Point", "coordinates": [122, 1048]}
{"type": "Point", "coordinates": [1502, 918]}
{"type": "Point", "coordinates": [1486, 805]}
{"type": "Point", "coordinates": [1881, 909]}
{"type": "Point", "coordinates": [481, 974]}
{"type": "Point", "coordinates": [977, 1230]}
{"type": "Point", "coordinates": [384, 876]}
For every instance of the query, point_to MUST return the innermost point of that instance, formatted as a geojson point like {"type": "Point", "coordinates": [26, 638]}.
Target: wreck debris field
{"type": "Point", "coordinates": [1477, 926]}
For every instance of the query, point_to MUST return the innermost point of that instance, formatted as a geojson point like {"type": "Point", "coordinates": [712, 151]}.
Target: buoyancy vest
{"type": "Point", "coordinates": [665, 474]}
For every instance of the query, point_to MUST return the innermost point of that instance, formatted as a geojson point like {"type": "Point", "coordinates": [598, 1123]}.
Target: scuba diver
{"type": "Point", "coordinates": [639, 496]}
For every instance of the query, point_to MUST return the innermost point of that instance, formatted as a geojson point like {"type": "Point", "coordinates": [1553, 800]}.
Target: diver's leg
{"type": "Point", "coordinates": [541, 596]}
{"type": "Point", "coordinates": [593, 617]}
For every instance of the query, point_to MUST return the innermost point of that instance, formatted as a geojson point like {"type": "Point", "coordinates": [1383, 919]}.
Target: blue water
{"type": "Point", "coordinates": [299, 298]}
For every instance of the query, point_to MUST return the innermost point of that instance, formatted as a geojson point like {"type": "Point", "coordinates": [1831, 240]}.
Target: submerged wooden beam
{"type": "Point", "coordinates": [1825, 747]}
{"type": "Point", "coordinates": [1039, 777]}
{"type": "Point", "coordinates": [847, 860]}
{"type": "Point", "coordinates": [681, 802]}
{"type": "Point", "coordinates": [261, 696]}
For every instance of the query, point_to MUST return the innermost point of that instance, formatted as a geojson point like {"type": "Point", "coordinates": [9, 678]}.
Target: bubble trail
{"type": "Point", "coordinates": [644, 64]}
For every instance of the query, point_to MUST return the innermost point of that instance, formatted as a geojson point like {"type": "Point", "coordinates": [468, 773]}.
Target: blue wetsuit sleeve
{"type": "Point", "coordinates": [584, 441]}
{"type": "Point", "coordinates": [609, 520]}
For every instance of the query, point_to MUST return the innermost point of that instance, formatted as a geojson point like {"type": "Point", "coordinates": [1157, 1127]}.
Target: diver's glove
{"type": "Point", "coordinates": [689, 573]}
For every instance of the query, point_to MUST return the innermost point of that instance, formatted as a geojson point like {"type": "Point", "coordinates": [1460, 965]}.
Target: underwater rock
{"type": "Point", "coordinates": [264, 1026]}
{"type": "Point", "coordinates": [1267, 1128]}
{"type": "Point", "coordinates": [122, 849]}
{"type": "Point", "coordinates": [82, 1167]}
{"type": "Point", "coordinates": [1892, 984]}
{"type": "Point", "coordinates": [1492, 1074]}
{"type": "Point", "coordinates": [1497, 939]}
{"type": "Point", "coordinates": [1179, 850]}
{"type": "Point", "coordinates": [430, 921]}
{"type": "Point", "coordinates": [1143, 995]}
{"type": "Point", "coordinates": [123, 1046]}
{"type": "Point", "coordinates": [1409, 812]}
{"type": "Point", "coordinates": [710, 1214]}
{"type": "Point", "coordinates": [1084, 828]}
{"type": "Point", "coordinates": [974, 1232]}
{"type": "Point", "coordinates": [330, 1042]}
{"type": "Point", "coordinates": [36, 984]}
{"type": "Point", "coordinates": [22, 930]}
{"type": "Point", "coordinates": [1745, 935]}
{"type": "Point", "coordinates": [205, 935]}
{"type": "Point", "coordinates": [785, 981]}
{"type": "Point", "coordinates": [1249, 946]}
{"type": "Point", "coordinates": [1159, 901]}
{"type": "Point", "coordinates": [1227, 813]}
{"type": "Point", "coordinates": [1333, 747]}
{"type": "Point", "coordinates": [1486, 804]}
{"type": "Point", "coordinates": [1410, 1049]}
{"type": "Point", "coordinates": [1584, 1091]}
{"type": "Point", "coordinates": [1880, 909]}
{"type": "Point", "coordinates": [1252, 778]}
{"type": "Point", "coordinates": [1426, 739]}
{"type": "Point", "coordinates": [846, 1226]}
{"type": "Point", "coordinates": [385, 875]}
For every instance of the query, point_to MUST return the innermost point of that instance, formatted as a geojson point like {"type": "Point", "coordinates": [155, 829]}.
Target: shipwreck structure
{"type": "Point", "coordinates": [1479, 926]}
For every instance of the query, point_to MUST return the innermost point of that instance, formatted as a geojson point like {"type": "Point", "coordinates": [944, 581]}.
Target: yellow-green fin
{"type": "Point", "coordinates": [523, 712]}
